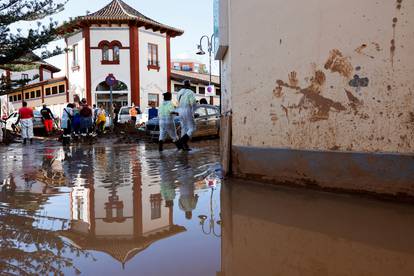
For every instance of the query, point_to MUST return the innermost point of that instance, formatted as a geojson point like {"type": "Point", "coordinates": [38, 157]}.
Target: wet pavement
{"type": "Point", "coordinates": [122, 209]}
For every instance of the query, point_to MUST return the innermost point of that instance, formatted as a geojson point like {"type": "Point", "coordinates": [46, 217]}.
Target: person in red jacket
{"type": "Point", "coordinates": [26, 121]}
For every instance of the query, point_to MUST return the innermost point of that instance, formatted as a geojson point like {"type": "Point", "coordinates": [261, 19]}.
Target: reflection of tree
{"type": "Point", "coordinates": [26, 250]}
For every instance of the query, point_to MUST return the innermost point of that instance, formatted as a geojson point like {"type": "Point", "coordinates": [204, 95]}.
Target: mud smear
{"type": "Point", "coordinates": [311, 94]}
{"type": "Point", "coordinates": [354, 102]}
{"type": "Point", "coordinates": [337, 63]}
{"type": "Point", "coordinates": [286, 110]}
{"type": "Point", "coordinates": [392, 48]}
{"type": "Point", "coordinates": [360, 49]}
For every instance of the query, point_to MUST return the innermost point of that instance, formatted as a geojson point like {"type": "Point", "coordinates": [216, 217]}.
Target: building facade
{"type": "Point", "coordinates": [199, 85]}
{"type": "Point", "coordinates": [189, 65]}
{"type": "Point", "coordinates": [326, 101]}
{"type": "Point", "coordinates": [36, 85]}
{"type": "Point", "coordinates": [121, 41]}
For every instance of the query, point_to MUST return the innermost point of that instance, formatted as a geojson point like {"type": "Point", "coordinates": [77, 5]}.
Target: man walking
{"type": "Point", "coordinates": [48, 119]}
{"type": "Point", "coordinates": [186, 104]}
{"type": "Point", "coordinates": [26, 121]}
{"type": "Point", "coordinates": [166, 119]}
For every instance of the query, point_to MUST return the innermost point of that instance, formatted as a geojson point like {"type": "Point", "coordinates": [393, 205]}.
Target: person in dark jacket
{"type": "Point", "coordinates": [48, 119]}
{"type": "Point", "coordinates": [85, 118]}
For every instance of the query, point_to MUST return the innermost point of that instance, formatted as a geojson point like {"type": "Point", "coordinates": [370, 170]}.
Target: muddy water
{"type": "Point", "coordinates": [127, 210]}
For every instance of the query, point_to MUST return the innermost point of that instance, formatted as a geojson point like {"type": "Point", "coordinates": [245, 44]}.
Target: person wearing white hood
{"type": "Point", "coordinates": [186, 104]}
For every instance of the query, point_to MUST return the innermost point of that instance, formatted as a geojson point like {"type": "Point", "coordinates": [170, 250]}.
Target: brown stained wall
{"type": "Point", "coordinates": [290, 232]}
{"type": "Point", "coordinates": [322, 74]}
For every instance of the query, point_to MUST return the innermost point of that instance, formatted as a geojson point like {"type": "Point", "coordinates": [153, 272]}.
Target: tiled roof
{"type": "Point", "coordinates": [118, 10]}
{"type": "Point", "coordinates": [194, 77]}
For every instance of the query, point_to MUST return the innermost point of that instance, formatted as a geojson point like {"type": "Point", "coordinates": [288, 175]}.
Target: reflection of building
{"type": "Point", "coordinates": [118, 216]}
{"type": "Point", "coordinates": [119, 40]}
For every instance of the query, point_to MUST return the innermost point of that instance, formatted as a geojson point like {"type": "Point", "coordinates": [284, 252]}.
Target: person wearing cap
{"type": "Point", "coordinates": [166, 114]}
{"type": "Point", "coordinates": [48, 119]}
{"type": "Point", "coordinates": [186, 104]}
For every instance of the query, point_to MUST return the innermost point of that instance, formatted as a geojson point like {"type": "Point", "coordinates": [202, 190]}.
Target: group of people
{"type": "Point", "coordinates": [82, 120]}
{"type": "Point", "coordinates": [79, 119]}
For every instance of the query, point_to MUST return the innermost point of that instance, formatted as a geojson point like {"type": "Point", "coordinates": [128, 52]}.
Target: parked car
{"type": "Point", "coordinates": [37, 122]}
{"type": "Point", "coordinates": [207, 119]}
{"type": "Point", "coordinates": [124, 117]}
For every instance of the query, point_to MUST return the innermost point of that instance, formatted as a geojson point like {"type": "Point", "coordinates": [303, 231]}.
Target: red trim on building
{"type": "Point", "coordinates": [67, 89]}
{"type": "Point", "coordinates": [8, 75]}
{"type": "Point", "coordinates": [42, 89]}
{"type": "Point", "coordinates": [67, 71]}
{"type": "Point", "coordinates": [134, 61]}
{"type": "Point", "coordinates": [168, 63]}
{"type": "Point", "coordinates": [88, 71]}
{"type": "Point", "coordinates": [41, 73]}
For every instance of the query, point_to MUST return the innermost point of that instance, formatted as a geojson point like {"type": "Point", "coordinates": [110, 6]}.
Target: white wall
{"type": "Point", "coordinates": [285, 93]}
{"type": "Point", "coordinates": [152, 81]}
{"type": "Point", "coordinates": [77, 78]}
{"type": "Point", "coordinates": [110, 33]}
{"type": "Point", "coordinates": [47, 75]}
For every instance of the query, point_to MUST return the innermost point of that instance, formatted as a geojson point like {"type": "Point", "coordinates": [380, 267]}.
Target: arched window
{"type": "Point", "coordinates": [105, 53]}
{"type": "Point", "coordinates": [116, 53]}
{"type": "Point", "coordinates": [110, 51]}
{"type": "Point", "coordinates": [120, 86]}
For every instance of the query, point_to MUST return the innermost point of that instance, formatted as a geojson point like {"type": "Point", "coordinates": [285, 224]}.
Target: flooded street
{"type": "Point", "coordinates": [122, 209]}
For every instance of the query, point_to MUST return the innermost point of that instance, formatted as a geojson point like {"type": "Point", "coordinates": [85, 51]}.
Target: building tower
{"type": "Point", "coordinates": [121, 41]}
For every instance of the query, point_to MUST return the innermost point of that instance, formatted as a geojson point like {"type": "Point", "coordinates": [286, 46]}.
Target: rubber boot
{"type": "Point", "coordinates": [184, 142]}
{"type": "Point", "coordinates": [178, 144]}
{"type": "Point", "coordinates": [160, 145]}
{"type": "Point", "coordinates": [24, 141]}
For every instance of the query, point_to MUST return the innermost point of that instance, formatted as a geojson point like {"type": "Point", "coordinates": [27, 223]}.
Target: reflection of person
{"type": "Point", "coordinates": [26, 121]}
{"type": "Point", "coordinates": [186, 103]}
{"type": "Point", "coordinates": [167, 177]}
{"type": "Point", "coordinates": [188, 199]}
{"type": "Point", "coordinates": [166, 121]}
{"type": "Point", "coordinates": [48, 119]}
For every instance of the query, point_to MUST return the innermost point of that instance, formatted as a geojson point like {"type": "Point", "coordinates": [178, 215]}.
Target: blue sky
{"type": "Point", "coordinates": [195, 17]}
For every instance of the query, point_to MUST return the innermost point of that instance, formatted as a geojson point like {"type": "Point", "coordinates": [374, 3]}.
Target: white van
{"type": "Point", "coordinates": [124, 117]}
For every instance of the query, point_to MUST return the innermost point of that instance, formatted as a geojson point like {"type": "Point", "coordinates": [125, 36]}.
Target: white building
{"type": "Point", "coordinates": [121, 41]}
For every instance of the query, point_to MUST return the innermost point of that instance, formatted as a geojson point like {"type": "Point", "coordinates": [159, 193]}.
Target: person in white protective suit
{"type": "Point", "coordinates": [186, 104]}
{"type": "Point", "coordinates": [166, 114]}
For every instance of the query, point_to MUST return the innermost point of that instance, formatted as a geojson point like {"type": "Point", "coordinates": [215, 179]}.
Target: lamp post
{"type": "Point", "coordinates": [111, 81]}
{"type": "Point", "coordinates": [201, 52]}
{"type": "Point", "coordinates": [212, 222]}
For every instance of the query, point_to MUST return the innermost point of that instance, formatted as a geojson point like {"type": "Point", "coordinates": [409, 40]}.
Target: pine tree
{"type": "Point", "coordinates": [16, 47]}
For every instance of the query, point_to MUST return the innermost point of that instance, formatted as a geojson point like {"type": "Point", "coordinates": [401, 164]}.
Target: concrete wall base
{"type": "Point", "coordinates": [380, 174]}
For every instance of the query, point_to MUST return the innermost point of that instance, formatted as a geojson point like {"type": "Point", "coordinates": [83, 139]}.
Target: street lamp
{"type": "Point", "coordinates": [201, 52]}
{"type": "Point", "coordinates": [212, 222]}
